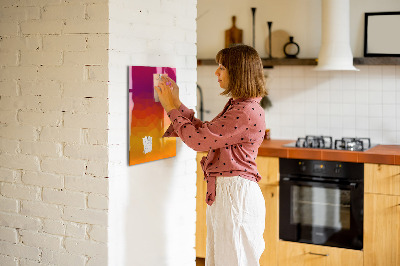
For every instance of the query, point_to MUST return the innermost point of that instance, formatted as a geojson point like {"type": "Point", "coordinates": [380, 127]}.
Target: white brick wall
{"type": "Point", "coordinates": [53, 136]}
{"type": "Point", "coordinates": [152, 205]}
{"type": "Point", "coordinates": [60, 138]}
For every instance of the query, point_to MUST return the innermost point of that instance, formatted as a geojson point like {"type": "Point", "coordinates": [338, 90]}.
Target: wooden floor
{"type": "Point", "coordinates": [200, 262]}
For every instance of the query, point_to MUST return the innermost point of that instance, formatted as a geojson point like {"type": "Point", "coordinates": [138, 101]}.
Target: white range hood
{"type": "Point", "coordinates": [335, 52]}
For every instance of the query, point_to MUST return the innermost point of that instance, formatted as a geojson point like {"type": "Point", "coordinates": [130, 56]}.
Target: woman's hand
{"type": "Point", "coordinates": [175, 90]}
{"type": "Point", "coordinates": [165, 96]}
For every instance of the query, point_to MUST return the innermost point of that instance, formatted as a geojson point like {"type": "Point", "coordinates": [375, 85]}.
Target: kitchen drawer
{"type": "Point", "coordinates": [382, 179]}
{"type": "Point", "coordinates": [299, 254]}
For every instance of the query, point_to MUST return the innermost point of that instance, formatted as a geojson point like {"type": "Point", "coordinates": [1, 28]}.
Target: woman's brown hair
{"type": "Point", "coordinates": [245, 69]}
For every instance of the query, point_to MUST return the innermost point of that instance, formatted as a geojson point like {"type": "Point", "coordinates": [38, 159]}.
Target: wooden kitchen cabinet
{"type": "Point", "coordinates": [300, 254]}
{"type": "Point", "coordinates": [201, 205]}
{"type": "Point", "coordinates": [381, 230]}
{"type": "Point", "coordinates": [268, 168]}
{"type": "Point", "coordinates": [382, 215]}
{"type": "Point", "coordinates": [271, 232]}
{"type": "Point", "coordinates": [382, 179]}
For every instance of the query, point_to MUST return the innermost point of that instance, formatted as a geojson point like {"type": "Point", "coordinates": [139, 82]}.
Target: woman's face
{"type": "Point", "coordinates": [223, 77]}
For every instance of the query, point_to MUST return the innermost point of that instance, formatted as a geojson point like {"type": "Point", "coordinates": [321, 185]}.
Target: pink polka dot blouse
{"type": "Point", "coordinates": [232, 139]}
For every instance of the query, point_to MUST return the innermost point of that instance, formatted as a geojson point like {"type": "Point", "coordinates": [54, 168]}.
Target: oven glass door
{"type": "Point", "coordinates": [321, 212]}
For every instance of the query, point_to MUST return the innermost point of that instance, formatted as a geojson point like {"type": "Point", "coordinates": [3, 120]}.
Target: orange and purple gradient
{"type": "Point", "coordinates": [148, 120]}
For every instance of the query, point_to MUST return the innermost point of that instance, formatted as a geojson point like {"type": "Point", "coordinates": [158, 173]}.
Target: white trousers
{"type": "Point", "coordinates": [235, 223]}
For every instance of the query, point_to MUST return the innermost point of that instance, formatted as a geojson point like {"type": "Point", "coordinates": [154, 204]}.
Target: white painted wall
{"type": "Point", "coordinates": [53, 133]}
{"type": "Point", "coordinates": [152, 205]}
{"type": "Point", "coordinates": [341, 104]}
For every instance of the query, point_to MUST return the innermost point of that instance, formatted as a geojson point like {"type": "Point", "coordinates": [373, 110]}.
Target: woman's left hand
{"type": "Point", "coordinates": [165, 96]}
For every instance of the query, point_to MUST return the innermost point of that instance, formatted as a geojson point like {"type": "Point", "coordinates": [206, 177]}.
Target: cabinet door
{"type": "Point", "coordinates": [201, 205]}
{"type": "Point", "coordinates": [268, 167]}
{"type": "Point", "coordinates": [381, 230]}
{"type": "Point", "coordinates": [382, 179]}
{"type": "Point", "coordinates": [299, 254]}
{"type": "Point", "coordinates": [271, 232]}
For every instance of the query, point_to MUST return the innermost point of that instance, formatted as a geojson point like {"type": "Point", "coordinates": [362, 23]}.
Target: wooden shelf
{"type": "Point", "coordinates": [289, 62]}
{"type": "Point", "coordinates": [377, 61]}
{"type": "Point", "coordinates": [269, 63]}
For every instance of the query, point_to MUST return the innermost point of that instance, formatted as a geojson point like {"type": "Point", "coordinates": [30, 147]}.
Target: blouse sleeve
{"type": "Point", "coordinates": [185, 112]}
{"type": "Point", "coordinates": [231, 128]}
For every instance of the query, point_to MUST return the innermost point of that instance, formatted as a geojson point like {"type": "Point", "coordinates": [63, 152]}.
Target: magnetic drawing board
{"type": "Point", "coordinates": [147, 119]}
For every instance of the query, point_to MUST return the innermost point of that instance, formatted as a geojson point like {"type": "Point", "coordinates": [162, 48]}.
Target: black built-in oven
{"type": "Point", "coordinates": [321, 202]}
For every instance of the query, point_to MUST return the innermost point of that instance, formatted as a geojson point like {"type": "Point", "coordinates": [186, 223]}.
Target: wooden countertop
{"type": "Point", "coordinates": [380, 154]}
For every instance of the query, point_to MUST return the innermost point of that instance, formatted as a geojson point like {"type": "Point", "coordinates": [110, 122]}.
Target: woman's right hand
{"type": "Point", "coordinates": [175, 91]}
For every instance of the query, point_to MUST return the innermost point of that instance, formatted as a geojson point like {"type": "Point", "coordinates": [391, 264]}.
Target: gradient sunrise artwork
{"type": "Point", "coordinates": [147, 119]}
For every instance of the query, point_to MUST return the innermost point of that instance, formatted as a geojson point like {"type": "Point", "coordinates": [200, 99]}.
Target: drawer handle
{"type": "Point", "coordinates": [319, 254]}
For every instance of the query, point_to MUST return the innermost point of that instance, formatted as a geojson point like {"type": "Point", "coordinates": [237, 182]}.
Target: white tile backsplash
{"type": "Point", "coordinates": [348, 132]}
{"type": "Point", "coordinates": [362, 78]}
{"type": "Point", "coordinates": [323, 121]}
{"type": "Point", "coordinates": [375, 97]}
{"type": "Point", "coordinates": [389, 124]}
{"type": "Point", "coordinates": [323, 95]}
{"type": "Point", "coordinates": [336, 122]}
{"type": "Point", "coordinates": [362, 97]}
{"type": "Point", "coordinates": [336, 109]}
{"type": "Point", "coordinates": [336, 84]}
{"type": "Point", "coordinates": [389, 111]}
{"type": "Point", "coordinates": [375, 123]}
{"type": "Point", "coordinates": [375, 110]}
{"type": "Point", "coordinates": [349, 122]}
{"type": "Point", "coordinates": [349, 96]}
{"type": "Point", "coordinates": [362, 123]}
{"type": "Point", "coordinates": [388, 72]}
{"type": "Point", "coordinates": [375, 83]}
{"type": "Point", "coordinates": [362, 110]}
{"type": "Point", "coordinates": [389, 97]}
{"type": "Point", "coordinates": [363, 133]}
{"type": "Point", "coordinates": [298, 83]}
{"type": "Point", "coordinates": [363, 103]}
{"type": "Point", "coordinates": [348, 109]}
{"type": "Point", "coordinates": [389, 83]}
{"type": "Point", "coordinates": [298, 72]}
{"type": "Point", "coordinates": [376, 136]}
{"type": "Point", "coordinates": [336, 95]}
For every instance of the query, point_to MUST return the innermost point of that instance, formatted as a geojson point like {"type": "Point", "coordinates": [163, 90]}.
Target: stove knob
{"type": "Point", "coordinates": [302, 166]}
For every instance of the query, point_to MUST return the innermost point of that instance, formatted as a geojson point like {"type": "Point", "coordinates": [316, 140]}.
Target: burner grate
{"type": "Point", "coordinates": [322, 142]}
{"type": "Point", "coordinates": [353, 144]}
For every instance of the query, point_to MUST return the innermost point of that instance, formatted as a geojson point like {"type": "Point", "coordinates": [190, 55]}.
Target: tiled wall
{"type": "Point", "coordinates": [337, 103]}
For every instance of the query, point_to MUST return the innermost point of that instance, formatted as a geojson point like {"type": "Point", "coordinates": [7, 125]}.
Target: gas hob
{"type": "Point", "coordinates": [327, 142]}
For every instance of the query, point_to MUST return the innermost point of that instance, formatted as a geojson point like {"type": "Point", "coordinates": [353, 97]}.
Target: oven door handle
{"type": "Point", "coordinates": [319, 182]}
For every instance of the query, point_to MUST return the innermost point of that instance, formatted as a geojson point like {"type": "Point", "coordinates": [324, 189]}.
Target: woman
{"type": "Point", "coordinates": [236, 212]}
